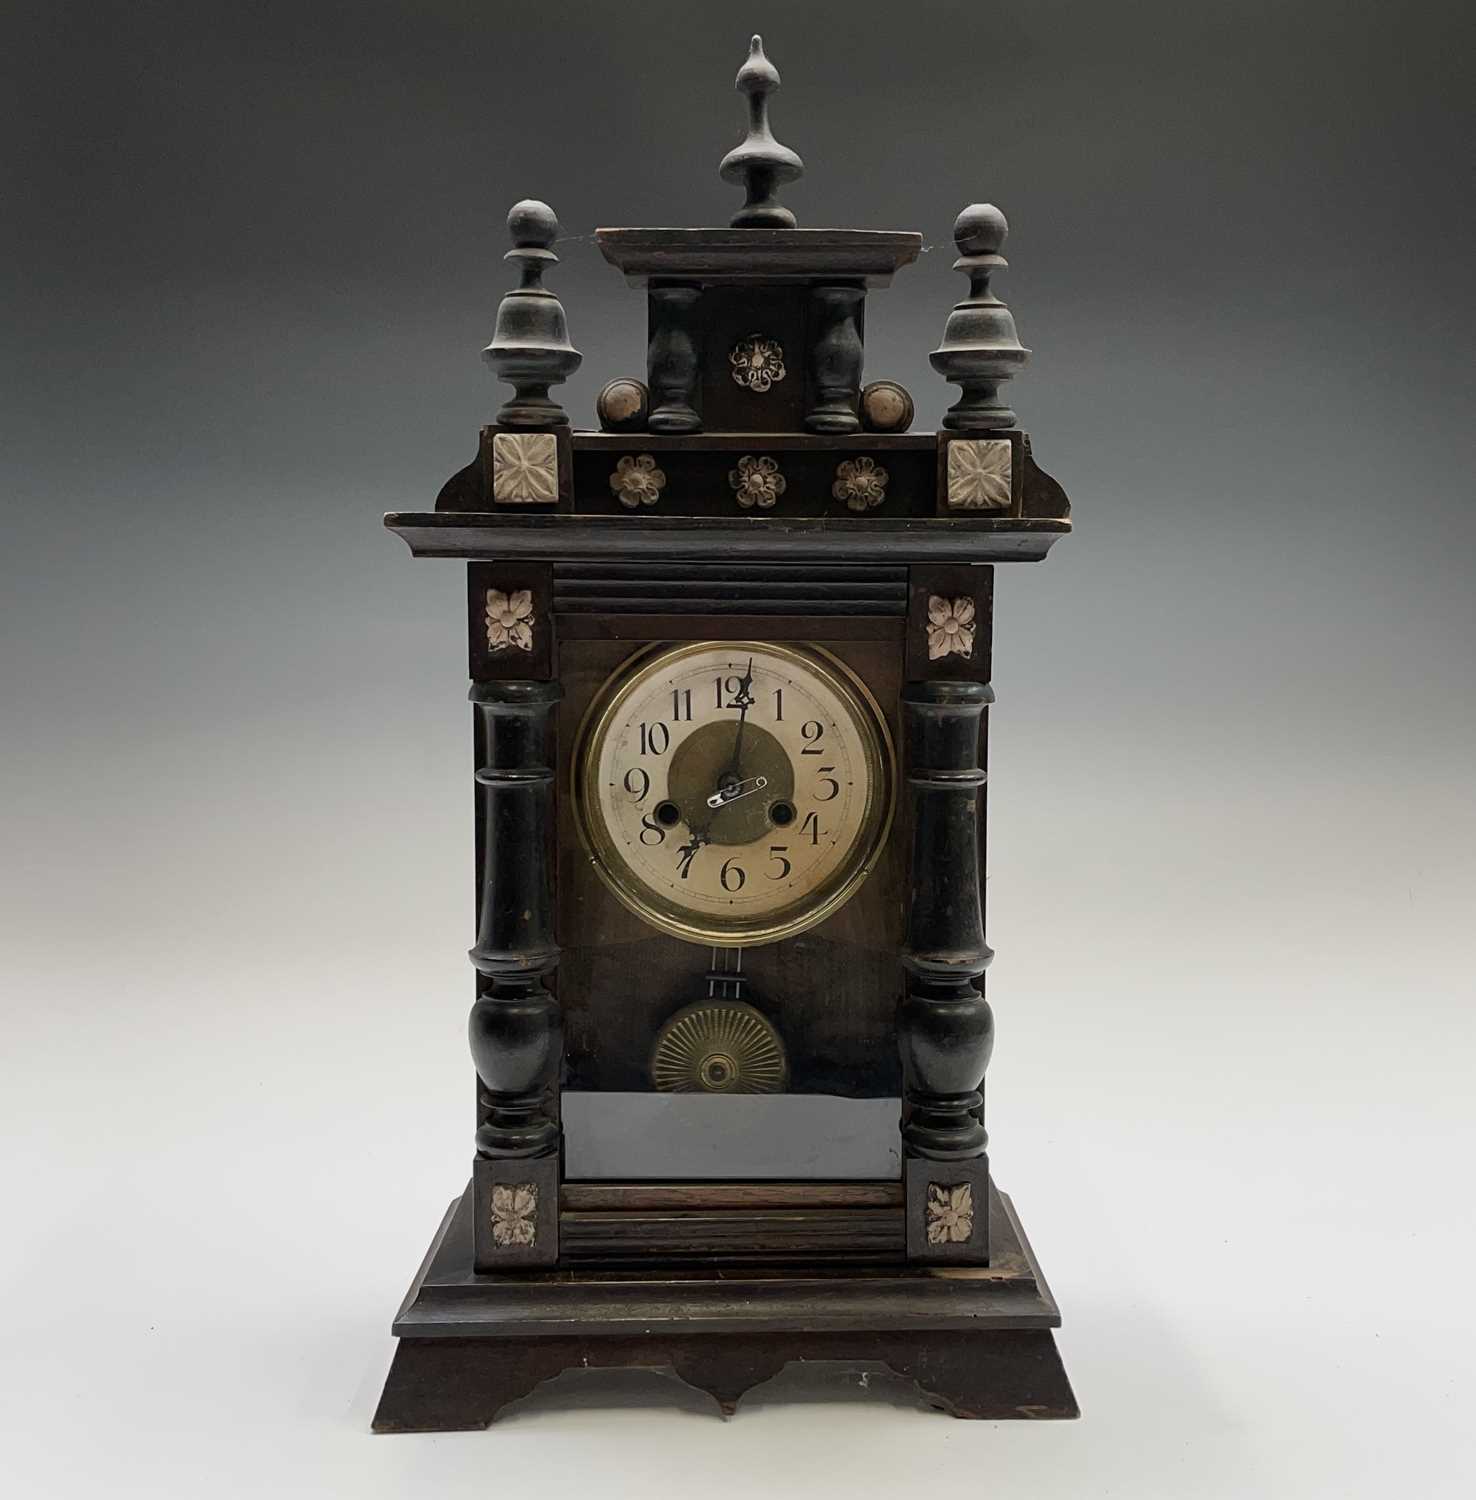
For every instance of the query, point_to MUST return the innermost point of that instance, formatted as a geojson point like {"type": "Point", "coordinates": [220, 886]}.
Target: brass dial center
{"type": "Point", "coordinates": [703, 764]}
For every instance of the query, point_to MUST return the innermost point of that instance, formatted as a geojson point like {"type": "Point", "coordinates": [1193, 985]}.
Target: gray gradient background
{"type": "Point", "coordinates": [249, 257]}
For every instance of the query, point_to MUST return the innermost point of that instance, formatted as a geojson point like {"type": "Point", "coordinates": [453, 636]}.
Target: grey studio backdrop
{"type": "Point", "coordinates": [250, 254]}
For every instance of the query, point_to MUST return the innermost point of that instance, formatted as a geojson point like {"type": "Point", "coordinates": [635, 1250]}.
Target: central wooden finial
{"type": "Point", "coordinates": [760, 163]}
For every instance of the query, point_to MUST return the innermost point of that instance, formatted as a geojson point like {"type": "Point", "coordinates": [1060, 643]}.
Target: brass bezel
{"type": "Point", "coordinates": [679, 921]}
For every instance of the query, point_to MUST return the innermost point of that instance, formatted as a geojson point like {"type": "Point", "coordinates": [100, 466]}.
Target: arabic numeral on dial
{"type": "Point", "coordinates": [728, 691]}
{"type": "Point", "coordinates": [811, 826]}
{"type": "Point", "coordinates": [652, 833]}
{"type": "Point", "coordinates": [778, 705]}
{"type": "Point", "coordinates": [681, 705]}
{"type": "Point", "coordinates": [732, 877]}
{"type": "Point", "coordinates": [812, 731]}
{"type": "Point", "coordinates": [655, 738]}
{"type": "Point", "coordinates": [637, 783]}
{"type": "Point", "coordinates": [828, 781]}
{"type": "Point", "coordinates": [777, 853]}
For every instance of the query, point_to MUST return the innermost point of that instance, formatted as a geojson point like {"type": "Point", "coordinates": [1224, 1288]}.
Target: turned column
{"type": "Point", "coordinates": [515, 1028]}
{"type": "Point", "coordinates": [945, 1030]}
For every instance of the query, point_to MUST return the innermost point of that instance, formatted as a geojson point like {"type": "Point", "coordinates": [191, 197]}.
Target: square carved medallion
{"type": "Point", "coordinates": [525, 468]}
{"type": "Point", "coordinates": [979, 474]}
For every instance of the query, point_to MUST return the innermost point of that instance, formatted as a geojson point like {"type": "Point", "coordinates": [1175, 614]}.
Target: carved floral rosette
{"type": "Point", "coordinates": [514, 1214]}
{"type": "Point", "coordinates": [510, 620]}
{"type": "Point", "coordinates": [757, 362]}
{"type": "Point", "coordinates": [860, 482]}
{"type": "Point", "coordinates": [950, 1213]}
{"type": "Point", "coordinates": [637, 481]}
{"type": "Point", "coordinates": [756, 482]}
{"type": "Point", "coordinates": [950, 627]}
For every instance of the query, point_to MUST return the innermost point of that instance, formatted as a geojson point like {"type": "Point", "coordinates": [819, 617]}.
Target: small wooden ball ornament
{"type": "Point", "coordinates": [886, 407]}
{"type": "Point", "coordinates": [623, 405]}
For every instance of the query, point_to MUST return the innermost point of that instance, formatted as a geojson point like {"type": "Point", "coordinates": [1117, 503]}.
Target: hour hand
{"type": "Point", "coordinates": [743, 699]}
{"type": "Point", "coordinates": [688, 852]}
{"type": "Point", "coordinates": [727, 794]}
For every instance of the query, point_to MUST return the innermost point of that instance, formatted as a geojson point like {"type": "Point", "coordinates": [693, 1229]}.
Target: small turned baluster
{"type": "Point", "coordinates": [673, 358]}
{"type": "Point", "coordinates": [530, 347]}
{"type": "Point", "coordinates": [835, 358]}
{"type": "Point", "coordinates": [515, 1028]}
{"type": "Point", "coordinates": [945, 1029]}
{"type": "Point", "coordinates": [980, 349]}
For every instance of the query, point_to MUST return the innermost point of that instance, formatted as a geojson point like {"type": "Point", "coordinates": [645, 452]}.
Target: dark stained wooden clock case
{"type": "Point", "coordinates": [879, 548]}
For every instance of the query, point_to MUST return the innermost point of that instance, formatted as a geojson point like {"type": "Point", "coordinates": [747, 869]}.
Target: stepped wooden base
{"type": "Point", "coordinates": [976, 1342]}
{"type": "Point", "coordinates": [441, 1385]}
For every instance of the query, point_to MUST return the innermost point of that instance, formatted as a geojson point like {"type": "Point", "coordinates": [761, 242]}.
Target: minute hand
{"type": "Point", "coordinates": [744, 700]}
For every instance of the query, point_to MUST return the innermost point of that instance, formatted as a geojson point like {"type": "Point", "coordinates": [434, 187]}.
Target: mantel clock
{"type": "Point", "coordinates": [730, 661]}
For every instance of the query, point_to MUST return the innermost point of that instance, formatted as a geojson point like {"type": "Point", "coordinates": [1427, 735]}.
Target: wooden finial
{"type": "Point", "coordinates": [760, 163]}
{"type": "Point", "coordinates": [980, 349]}
{"type": "Point", "coordinates": [530, 348]}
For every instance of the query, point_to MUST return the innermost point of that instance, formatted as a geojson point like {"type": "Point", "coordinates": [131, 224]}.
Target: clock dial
{"type": "Point", "coordinates": [734, 792]}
